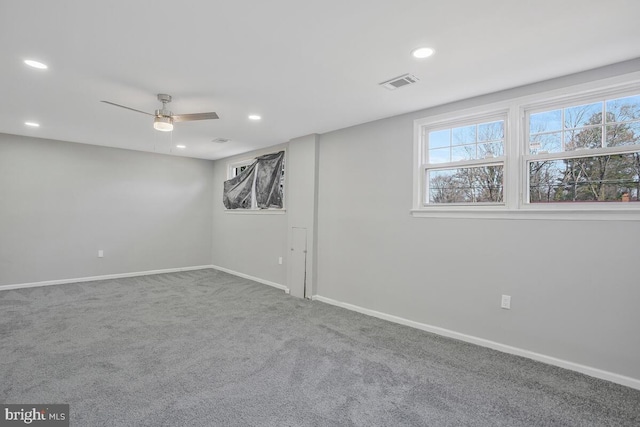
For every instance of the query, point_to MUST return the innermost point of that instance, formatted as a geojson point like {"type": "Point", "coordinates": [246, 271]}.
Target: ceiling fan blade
{"type": "Point", "coordinates": [190, 117]}
{"type": "Point", "coordinates": [128, 108]}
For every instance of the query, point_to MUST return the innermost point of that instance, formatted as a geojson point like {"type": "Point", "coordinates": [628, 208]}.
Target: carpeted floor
{"type": "Point", "coordinates": [205, 348]}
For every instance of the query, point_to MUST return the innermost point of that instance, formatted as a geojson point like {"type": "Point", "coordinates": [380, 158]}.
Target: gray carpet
{"type": "Point", "coordinates": [205, 348]}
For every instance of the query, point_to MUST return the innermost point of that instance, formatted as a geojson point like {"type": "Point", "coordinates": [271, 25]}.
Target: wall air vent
{"type": "Point", "coordinates": [400, 81]}
{"type": "Point", "coordinates": [221, 140]}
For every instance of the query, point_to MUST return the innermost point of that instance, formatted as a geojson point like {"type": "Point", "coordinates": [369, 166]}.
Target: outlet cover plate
{"type": "Point", "coordinates": [506, 302]}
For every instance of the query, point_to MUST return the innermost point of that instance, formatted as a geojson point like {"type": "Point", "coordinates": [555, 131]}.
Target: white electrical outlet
{"type": "Point", "coordinates": [280, 260]}
{"type": "Point", "coordinates": [100, 253]}
{"type": "Point", "coordinates": [506, 302]}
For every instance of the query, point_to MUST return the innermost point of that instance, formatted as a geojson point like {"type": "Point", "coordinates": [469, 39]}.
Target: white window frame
{"type": "Point", "coordinates": [596, 96]}
{"type": "Point", "coordinates": [231, 167]}
{"type": "Point", "coordinates": [254, 210]}
{"type": "Point", "coordinates": [516, 156]}
{"type": "Point", "coordinates": [424, 166]}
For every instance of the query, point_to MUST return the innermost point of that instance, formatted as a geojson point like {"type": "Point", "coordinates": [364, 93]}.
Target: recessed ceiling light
{"type": "Point", "coordinates": [254, 117]}
{"type": "Point", "coordinates": [35, 64]}
{"type": "Point", "coordinates": [422, 52]}
{"type": "Point", "coordinates": [32, 124]}
{"type": "Point", "coordinates": [181, 146]}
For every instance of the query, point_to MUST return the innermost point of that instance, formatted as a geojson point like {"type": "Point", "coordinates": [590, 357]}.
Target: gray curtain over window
{"type": "Point", "coordinates": [266, 172]}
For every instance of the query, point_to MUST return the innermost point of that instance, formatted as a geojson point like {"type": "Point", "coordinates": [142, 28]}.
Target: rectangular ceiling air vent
{"type": "Point", "coordinates": [396, 82]}
{"type": "Point", "coordinates": [221, 140]}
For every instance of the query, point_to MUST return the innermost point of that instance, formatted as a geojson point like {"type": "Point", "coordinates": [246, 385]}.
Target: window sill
{"type": "Point", "coordinates": [255, 211]}
{"type": "Point", "coordinates": [530, 213]}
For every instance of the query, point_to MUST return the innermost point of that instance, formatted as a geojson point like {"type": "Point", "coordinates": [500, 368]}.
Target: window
{"type": "Point", "coordinates": [547, 155]}
{"type": "Point", "coordinates": [236, 168]}
{"type": "Point", "coordinates": [463, 163]}
{"type": "Point", "coordinates": [255, 184]}
{"type": "Point", "coordinates": [585, 153]}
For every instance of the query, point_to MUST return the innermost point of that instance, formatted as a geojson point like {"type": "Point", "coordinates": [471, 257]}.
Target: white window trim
{"type": "Point", "coordinates": [515, 195]}
{"type": "Point", "coordinates": [255, 210]}
{"type": "Point", "coordinates": [480, 114]}
{"type": "Point", "coordinates": [237, 164]}
{"type": "Point", "coordinates": [269, 211]}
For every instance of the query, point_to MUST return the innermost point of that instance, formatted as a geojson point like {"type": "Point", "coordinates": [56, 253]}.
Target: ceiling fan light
{"type": "Point", "coordinates": [163, 124]}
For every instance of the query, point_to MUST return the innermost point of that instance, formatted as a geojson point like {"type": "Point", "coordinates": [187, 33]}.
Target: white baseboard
{"type": "Point", "coordinates": [104, 277]}
{"type": "Point", "coordinates": [255, 279]}
{"type": "Point", "coordinates": [140, 273]}
{"type": "Point", "coordinates": [587, 370]}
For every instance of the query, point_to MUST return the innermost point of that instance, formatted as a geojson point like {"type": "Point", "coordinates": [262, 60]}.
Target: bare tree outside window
{"type": "Point", "coordinates": [477, 183]}
{"type": "Point", "coordinates": [590, 177]}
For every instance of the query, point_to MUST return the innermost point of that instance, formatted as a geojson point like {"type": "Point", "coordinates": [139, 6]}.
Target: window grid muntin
{"type": "Point", "coordinates": [484, 120]}
{"type": "Point", "coordinates": [476, 121]}
{"type": "Point", "coordinates": [563, 130]}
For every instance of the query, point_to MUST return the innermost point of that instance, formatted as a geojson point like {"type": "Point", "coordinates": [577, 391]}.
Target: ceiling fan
{"type": "Point", "coordinates": [164, 119]}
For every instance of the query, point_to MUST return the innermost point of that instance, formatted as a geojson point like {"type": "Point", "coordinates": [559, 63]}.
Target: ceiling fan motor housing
{"type": "Point", "coordinates": [164, 98]}
{"type": "Point", "coordinates": [163, 112]}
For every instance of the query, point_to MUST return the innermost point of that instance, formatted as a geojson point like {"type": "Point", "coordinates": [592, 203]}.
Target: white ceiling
{"type": "Point", "coordinates": [305, 66]}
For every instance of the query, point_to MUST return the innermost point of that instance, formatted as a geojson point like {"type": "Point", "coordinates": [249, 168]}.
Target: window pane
{"type": "Point", "coordinates": [462, 143]}
{"type": "Point", "coordinates": [583, 127]}
{"type": "Point", "coordinates": [440, 155]}
{"type": "Point", "coordinates": [545, 122]}
{"type": "Point", "coordinates": [490, 150]}
{"type": "Point", "coordinates": [583, 115]}
{"type": "Point", "coordinates": [463, 152]}
{"type": "Point", "coordinates": [439, 138]}
{"type": "Point", "coordinates": [463, 135]}
{"type": "Point", "coordinates": [612, 178]}
{"type": "Point", "coordinates": [546, 142]}
{"type": "Point", "coordinates": [493, 131]}
{"type": "Point", "coordinates": [466, 185]}
{"type": "Point", "coordinates": [583, 138]}
{"type": "Point", "coordinates": [237, 170]}
{"type": "Point", "coordinates": [623, 109]}
{"type": "Point", "coordinates": [623, 134]}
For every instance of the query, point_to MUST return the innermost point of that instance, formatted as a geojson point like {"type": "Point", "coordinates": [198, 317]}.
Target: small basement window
{"type": "Point", "coordinates": [256, 184]}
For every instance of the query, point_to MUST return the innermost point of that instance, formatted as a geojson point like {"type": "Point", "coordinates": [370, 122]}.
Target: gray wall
{"type": "Point", "coordinates": [574, 284]}
{"type": "Point", "coordinates": [251, 243]}
{"type": "Point", "coordinates": [302, 206]}
{"type": "Point", "coordinates": [248, 243]}
{"type": "Point", "coordinates": [61, 202]}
